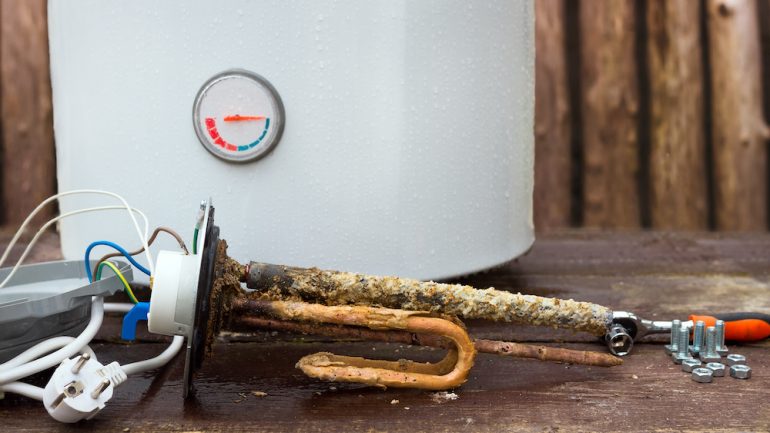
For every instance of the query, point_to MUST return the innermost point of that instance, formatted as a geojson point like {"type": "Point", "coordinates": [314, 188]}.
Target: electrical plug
{"type": "Point", "coordinates": [80, 388]}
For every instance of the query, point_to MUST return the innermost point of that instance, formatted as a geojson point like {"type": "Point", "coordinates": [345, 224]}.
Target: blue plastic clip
{"type": "Point", "coordinates": [130, 320]}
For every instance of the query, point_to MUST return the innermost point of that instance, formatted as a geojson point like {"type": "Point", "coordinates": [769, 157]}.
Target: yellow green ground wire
{"type": "Point", "coordinates": [115, 269]}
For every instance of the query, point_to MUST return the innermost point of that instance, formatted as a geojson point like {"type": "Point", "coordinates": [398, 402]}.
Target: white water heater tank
{"type": "Point", "coordinates": [381, 136]}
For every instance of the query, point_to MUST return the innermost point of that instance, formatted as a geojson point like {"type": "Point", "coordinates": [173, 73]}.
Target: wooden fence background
{"type": "Point", "coordinates": [649, 113]}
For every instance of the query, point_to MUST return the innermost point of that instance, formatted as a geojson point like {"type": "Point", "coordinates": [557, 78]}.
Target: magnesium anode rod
{"type": "Point", "coordinates": [279, 282]}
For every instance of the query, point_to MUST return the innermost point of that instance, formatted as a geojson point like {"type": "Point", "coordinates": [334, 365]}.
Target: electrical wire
{"type": "Point", "coordinates": [52, 359]}
{"type": "Point", "coordinates": [150, 242]}
{"type": "Point", "coordinates": [117, 307]}
{"type": "Point", "coordinates": [195, 241]}
{"type": "Point", "coordinates": [158, 361]}
{"type": "Point", "coordinates": [24, 389]}
{"type": "Point", "coordinates": [53, 351]}
{"type": "Point", "coordinates": [128, 208]}
{"type": "Point", "coordinates": [42, 230]}
{"type": "Point", "coordinates": [41, 349]}
{"type": "Point", "coordinates": [117, 272]}
{"type": "Point", "coordinates": [122, 250]}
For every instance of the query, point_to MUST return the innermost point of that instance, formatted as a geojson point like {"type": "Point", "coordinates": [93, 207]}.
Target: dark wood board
{"type": "Point", "coordinates": [656, 275]}
{"type": "Point", "coordinates": [610, 109]}
{"type": "Point", "coordinates": [552, 197]}
{"type": "Point", "coordinates": [27, 154]}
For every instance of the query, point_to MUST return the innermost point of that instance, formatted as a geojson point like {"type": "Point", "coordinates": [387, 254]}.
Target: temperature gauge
{"type": "Point", "coordinates": [238, 116]}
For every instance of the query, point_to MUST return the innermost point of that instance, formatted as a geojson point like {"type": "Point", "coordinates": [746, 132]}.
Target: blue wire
{"type": "Point", "coordinates": [117, 247]}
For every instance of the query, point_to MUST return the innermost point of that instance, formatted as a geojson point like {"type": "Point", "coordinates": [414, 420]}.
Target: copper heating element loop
{"type": "Point", "coordinates": [448, 373]}
{"type": "Point", "coordinates": [496, 347]}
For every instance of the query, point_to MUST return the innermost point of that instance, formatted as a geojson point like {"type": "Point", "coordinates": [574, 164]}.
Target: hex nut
{"type": "Point", "coordinates": [688, 365]}
{"type": "Point", "coordinates": [702, 375]}
{"type": "Point", "coordinates": [736, 359]}
{"type": "Point", "coordinates": [740, 371]}
{"type": "Point", "coordinates": [717, 369]}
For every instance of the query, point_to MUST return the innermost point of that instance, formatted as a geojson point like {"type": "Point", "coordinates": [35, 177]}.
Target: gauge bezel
{"type": "Point", "coordinates": [279, 119]}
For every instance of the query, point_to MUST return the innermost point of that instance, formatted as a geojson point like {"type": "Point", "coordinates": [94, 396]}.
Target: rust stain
{"type": "Point", "coordinates": [274, 282]}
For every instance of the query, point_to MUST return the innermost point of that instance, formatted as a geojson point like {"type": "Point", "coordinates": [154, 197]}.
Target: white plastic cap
{"type": "Point", "coordinates": [172, 303]}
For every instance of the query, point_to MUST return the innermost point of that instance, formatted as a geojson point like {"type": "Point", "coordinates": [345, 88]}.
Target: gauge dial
{"type": "Point", "coordinates": [238, 116]}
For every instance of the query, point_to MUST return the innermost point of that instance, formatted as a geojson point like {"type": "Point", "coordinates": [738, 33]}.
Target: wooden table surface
{"type": "Point", "coordinates": [656, 275]}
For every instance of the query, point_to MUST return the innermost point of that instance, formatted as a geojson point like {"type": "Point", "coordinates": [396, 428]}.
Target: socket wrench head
{"type": "Point", "coordinates": [619, 341]}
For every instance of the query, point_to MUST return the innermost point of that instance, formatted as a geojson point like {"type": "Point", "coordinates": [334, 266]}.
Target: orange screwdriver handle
{"type": "Point", "coordinates": [740, 326]}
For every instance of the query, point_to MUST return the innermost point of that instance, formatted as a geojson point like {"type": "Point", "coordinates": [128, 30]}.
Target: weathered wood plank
{"type": "Point", "coordinates": [764, 22]}
{"type": "Point", "coordinates": [738, 127]}
{"type": "Point", "coordinates": [610, 111]}
{"type": "Point", "coordinates": [553, 195]}
{"type": "Point", "coordinates": [657, 275]}
{"type": "Point", "coordinates": [678, 198]}
{"type": "Point", "coordinates": [29, 169]}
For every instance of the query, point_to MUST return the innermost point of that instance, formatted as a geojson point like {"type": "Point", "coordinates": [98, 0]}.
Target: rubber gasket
{"type": "Point", "coordinates": [202, 307]}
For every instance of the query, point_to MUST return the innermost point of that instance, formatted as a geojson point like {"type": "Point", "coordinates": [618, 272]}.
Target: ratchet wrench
{"type": "Point", "coordinates": [627, 328]}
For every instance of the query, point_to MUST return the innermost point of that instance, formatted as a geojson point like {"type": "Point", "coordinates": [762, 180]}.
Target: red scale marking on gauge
{"type": "Point", "coordinates": [211, 126]}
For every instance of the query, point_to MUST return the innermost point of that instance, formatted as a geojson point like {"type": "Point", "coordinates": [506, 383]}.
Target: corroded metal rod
{"type": "Point", "coordinates": [276, 282]}
{"type": "Point", "coordinates": [338, 332]}
{"type": "Point", "coordinates": [546, 353]}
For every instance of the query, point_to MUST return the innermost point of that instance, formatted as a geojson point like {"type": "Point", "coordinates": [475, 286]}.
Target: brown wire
{"type": "Point", "coordinates": [149, 242]}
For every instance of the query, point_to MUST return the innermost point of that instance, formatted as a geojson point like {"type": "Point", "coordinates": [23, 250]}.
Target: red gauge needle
{"type": "Point", "coordinates": [239, 118]}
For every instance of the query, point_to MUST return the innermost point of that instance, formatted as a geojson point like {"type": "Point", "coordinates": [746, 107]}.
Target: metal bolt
{"type": "Point", "coordinates": [709, 353]}
{"type": "Point", "coordinates": [697, 338]}
{"type": "Point", "coordinates": [740, 371]}
{"type": "Point", "coordinates": [736, 359]}
{"type": "Point", "coordinates": [720, 347]}
{"type": "Point", "coordinates": [688, 365]}
{"type": "Point", "coordinates": [717, 368]}
{"type": "Point", "coordinates": [702, 375]}
{"type": "Point", "coordinates": [80, 363]}
{"type": "Point", "coordinates": [673, 346]}
{"type": "Point", "coordinates": [682, 352]}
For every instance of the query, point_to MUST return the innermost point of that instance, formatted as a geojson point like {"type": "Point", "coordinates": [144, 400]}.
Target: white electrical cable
{"type": "Point", "coordinates": [19, 232]}
{"type": "Point", "coordinates": [30, 361]}
{"type": "Point", "coordinates": [24, 389]}
{"type": "Point", "coordinates": [52, 359]}
{"type": "Point", "coordinates": [143, 238]}
{"type": "Point", "coordinates": [41, 349]}
{"type": "Point", "coordinates": [48, 224]}
{"type": "Point", "coordinates": [158, 361]}
{"type": "Point", "coordinates": [114, 307]}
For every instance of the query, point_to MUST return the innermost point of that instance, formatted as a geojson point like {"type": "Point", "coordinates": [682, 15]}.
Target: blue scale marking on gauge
{"type": "Point", "coordinates": [258, 140]}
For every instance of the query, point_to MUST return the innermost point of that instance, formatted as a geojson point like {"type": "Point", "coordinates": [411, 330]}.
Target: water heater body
{"type": "Point", "coordinates": [406, 127]}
